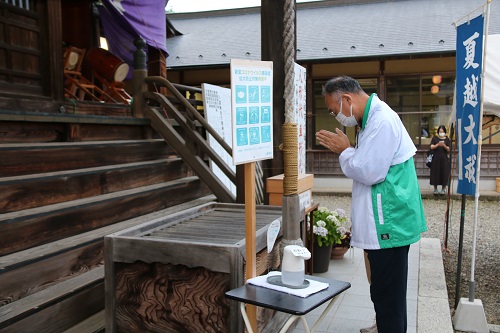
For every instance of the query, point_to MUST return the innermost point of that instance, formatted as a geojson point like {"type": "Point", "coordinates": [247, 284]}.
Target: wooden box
{"type": "Point", "coordinates": [170, 274]}
{"type": "Point", "coordinates": [274, 187]}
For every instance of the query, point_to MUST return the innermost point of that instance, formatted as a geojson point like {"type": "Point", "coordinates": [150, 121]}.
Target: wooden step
{"type": "Point", "coordinates": [39, 132]}
{"type": "Point", "coordinates": [26, 272]}
{"type": "Point", "coordinates": [93, 324]}
{"type": "Point", "coordinates": [29, 191]}
{"type": "Point", "coordinates": [51, 310]}
{"type": "Point", "coordinates": [32, 227]}
{"type": "Point", "coordinates": [24, 159]}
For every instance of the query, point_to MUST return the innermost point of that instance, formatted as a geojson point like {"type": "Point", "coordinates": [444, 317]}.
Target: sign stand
{"type": "Point", "coordinates": [250, 230]}
{"type": "Point", "coordinates": [252, 140]}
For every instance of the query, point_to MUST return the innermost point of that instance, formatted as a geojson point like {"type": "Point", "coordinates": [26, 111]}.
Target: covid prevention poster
{"type": "Point", "coordinates": [252, 110]}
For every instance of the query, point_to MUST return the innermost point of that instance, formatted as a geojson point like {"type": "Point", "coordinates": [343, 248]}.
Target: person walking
{"type": "Point", "coordinates": [386, 211]}
{"type": "Point", "coordinates": [440, 166]}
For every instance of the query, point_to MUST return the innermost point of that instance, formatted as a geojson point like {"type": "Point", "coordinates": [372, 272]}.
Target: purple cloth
{"type": "Point", "coordinates": [123, 21]}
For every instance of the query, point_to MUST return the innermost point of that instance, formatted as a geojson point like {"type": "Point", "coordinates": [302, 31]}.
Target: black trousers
{"type": "Point", "coordinates": [389, 275]}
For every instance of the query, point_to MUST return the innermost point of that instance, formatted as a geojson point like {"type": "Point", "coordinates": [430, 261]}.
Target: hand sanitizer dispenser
{"type": "Point", "coordinates": [292, 267]}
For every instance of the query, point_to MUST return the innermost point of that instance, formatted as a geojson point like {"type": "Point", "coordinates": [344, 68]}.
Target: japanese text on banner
{"type": "Point", "coordinates": [468, 93]}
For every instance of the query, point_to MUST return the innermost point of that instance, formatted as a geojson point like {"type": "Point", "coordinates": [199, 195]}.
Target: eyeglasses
{"type": "Point", "coordinates": [340, 106]}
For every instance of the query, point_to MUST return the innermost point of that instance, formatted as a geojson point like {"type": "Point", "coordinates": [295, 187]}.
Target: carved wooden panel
{"type": "Point", "coordinates": [170, 299]}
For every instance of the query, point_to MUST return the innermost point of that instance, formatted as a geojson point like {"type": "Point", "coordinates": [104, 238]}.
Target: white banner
{"type": "Point", "coordinates": [217, 106]}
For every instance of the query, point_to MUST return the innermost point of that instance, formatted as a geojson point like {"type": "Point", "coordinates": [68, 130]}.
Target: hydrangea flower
{"type": "Point", "coordinates": [330, 227]}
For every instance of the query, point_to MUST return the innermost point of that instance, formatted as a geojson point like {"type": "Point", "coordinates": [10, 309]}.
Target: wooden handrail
{"type": "Point", "coordinates": [183, 87]}
{"type": "Point", "coordinates": [195, 136]}
{"type": "Point", "coordinates": [165, 83]}
{"type": "Point", "coordinates": [170, 135]}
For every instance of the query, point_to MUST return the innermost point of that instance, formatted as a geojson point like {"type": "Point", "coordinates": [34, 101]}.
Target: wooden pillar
{"type": "Point", "coordinates": [272, 27]}
{"type": "Point", "coordinates": [140, 73]}
{"type": "Point", "coordinates": [55, 57]}
{"type": "Point", "coordinates": [157, 66]}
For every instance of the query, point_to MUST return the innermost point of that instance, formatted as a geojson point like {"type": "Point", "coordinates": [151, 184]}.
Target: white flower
{"type": "Point", "coordinates": [320, 231]}
{"type": "Point", "coordinates": [321, 223]}
{"type": "Point", "coordinates": [323, 209]}
{"type": "Point", "coordinates": [341, 213]}
{"type": "Point", "coordinates": [342, 230]}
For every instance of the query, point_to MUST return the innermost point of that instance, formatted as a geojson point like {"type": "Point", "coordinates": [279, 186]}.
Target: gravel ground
{"type": "Point", "coordinates": [487, 263]}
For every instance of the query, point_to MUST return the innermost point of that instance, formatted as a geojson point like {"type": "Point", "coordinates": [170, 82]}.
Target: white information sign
{"type": "Point", "coordinates": [272, 234]}
{"type": "Point", "coordinates": [305, 200]}
{"type": "Point", "coordinates": [299, 107]}
{"type": "Point", "coordinates": [217, 106]}
{"type": "Point", "coordinates": [252, 110]}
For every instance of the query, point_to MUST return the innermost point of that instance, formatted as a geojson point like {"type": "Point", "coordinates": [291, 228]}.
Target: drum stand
{"type": "Point", "coordinates": [115, 91]}
{"type": "Point", "coordinates": [76, 86]}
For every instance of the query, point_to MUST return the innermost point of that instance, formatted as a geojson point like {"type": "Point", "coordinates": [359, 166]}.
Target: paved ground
{"type": "Point", "coordinates": [353, 309]}
{"type": "Point", "coordinates": [342, 322]}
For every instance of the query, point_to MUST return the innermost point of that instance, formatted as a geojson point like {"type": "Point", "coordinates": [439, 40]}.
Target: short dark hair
{"type": "Point", "coordinates": [443, 128]}
{"type": "Point", "coordinates": [342, 84]}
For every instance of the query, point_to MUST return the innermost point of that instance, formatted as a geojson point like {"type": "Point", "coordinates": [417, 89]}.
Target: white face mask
{"type": "Point", "coordinates": [442, 135]}
{"type": "Point", "coordinates": [346, 121]}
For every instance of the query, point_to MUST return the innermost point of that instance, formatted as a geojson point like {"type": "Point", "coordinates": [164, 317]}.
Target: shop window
{"type": "Point", "coordinates": [422, 102]}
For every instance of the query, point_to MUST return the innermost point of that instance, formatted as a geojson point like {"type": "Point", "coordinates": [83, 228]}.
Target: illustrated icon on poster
{"type": "Point", "coordinates": [254, 136]}
{"type": "Point", "coordinates": [266, 94]}
{"type": "Point", "coordinates": [254, 115]}
{"type": "Point", "coordinates": [253, 94]}
{"type": "Point", "coordinates": [241, 116]}
{"type": "Point", "coordinates": [266, 133]}
{"type": "Point", "coordinates": [241, 136]}
{"type": "Point", "coordinates": [266, 114]}
{"type": "Point", "coordinates": [241, 94]}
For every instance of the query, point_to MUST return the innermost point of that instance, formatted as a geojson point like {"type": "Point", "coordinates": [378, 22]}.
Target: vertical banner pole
{"type": "Point", "coordinates": [469, 314]}
{"type": "Point", "coordinates": [460, 251]}
{"type": "Point", "coordinates": [479, 144]}
{"type": "Point", "coordinates": [250, 230]}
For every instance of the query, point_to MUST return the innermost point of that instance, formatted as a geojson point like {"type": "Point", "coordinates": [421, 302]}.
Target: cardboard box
{"type": "Point", "coordinates": [274, 187]}
{"type": "Point", "coordinates": [276, 199]}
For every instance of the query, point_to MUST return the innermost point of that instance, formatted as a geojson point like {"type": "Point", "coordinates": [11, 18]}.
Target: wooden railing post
{"type": "Point", "coordinates": [140, 73]}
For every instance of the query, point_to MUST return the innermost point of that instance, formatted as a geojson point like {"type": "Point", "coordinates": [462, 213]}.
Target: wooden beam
{"type": "Point", "coordinates": [47, 117]}
{"type": "Point", "coordinates": [490, 120]}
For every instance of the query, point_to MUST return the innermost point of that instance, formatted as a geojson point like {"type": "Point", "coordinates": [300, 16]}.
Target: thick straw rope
{"type": "Point", "coordinates": [290, 156]}
{"type": "Point", "coordinates": [290, 145]}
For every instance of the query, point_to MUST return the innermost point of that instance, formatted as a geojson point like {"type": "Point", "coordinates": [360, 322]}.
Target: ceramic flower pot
{"type": "Point", "coordinates": [338, 252]}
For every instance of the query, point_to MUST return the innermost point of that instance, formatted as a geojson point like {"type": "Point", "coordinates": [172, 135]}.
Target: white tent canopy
{"type": "Point", "coordinates": [492, 76]}
{"type": "Point", "coordinates": [491, 98]}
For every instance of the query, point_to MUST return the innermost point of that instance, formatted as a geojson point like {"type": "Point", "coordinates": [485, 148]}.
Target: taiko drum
{"type": "Point", "coordinates": [106, 64]}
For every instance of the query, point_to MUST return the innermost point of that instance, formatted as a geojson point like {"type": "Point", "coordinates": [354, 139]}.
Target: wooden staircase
{"type": "Point", "coordinates": [66, 181]}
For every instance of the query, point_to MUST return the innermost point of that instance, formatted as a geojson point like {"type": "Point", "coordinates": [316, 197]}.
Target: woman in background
{"type": "Point", "coordinates": [440, 167]}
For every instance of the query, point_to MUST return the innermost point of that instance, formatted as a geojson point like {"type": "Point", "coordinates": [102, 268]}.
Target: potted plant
{"type": "Point", "coordinates": [329, 231]}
